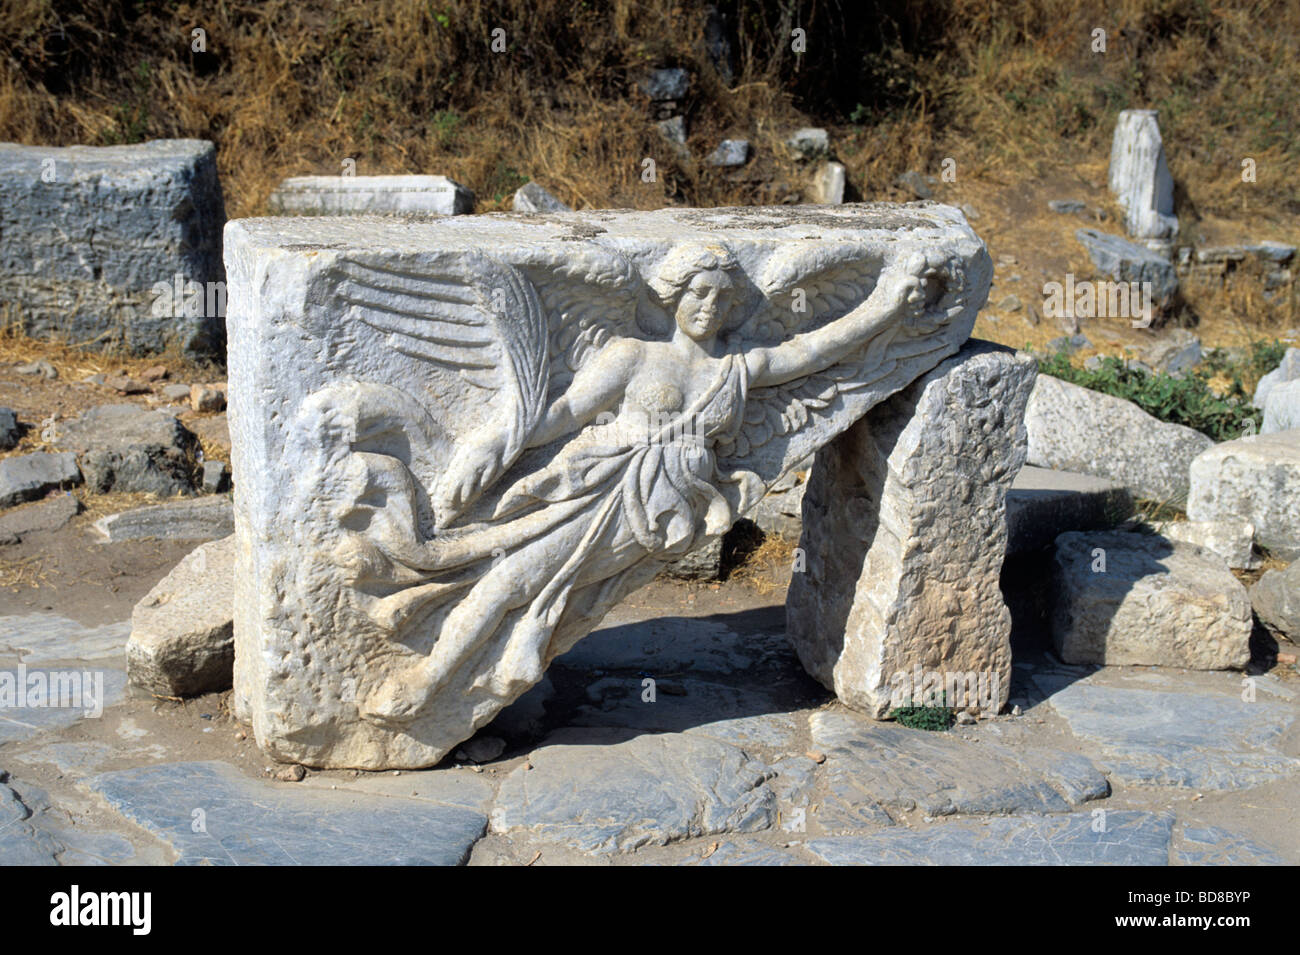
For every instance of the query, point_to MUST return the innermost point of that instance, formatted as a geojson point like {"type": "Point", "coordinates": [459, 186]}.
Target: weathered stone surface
{"type": "Point", "coordinates": [207, 519]}
{"type": "Point", "coordinates": [459, 512]}
{"type": "Point", "coordinates": [216, 477]}
{"type": "Point", "coordinates": [905, 534]}
{"type": "Point", "coordinates": [1282, 408]}
{"type": "Point", "coordinates": [702, 563]}
{"type": "Point", "coordinates": [1234, 541]}
{"type": "Point", "coordinates": [1255, 479]}
{"type": "Point", "coordinates": [47, 515]}
{"type": "Point", "coordinates": [1129, 838]}
{"type": "Point", "coordinates": [1276, 599]}
{"type": "Point", "coordinates": [1127, 262]}
{"type": "Point", "coordinates": [1139, 176]}
{"type": "Point", "coordinates": [530, 197]}
{"type": "Point", "coordinates": [1287, 370]}
{"type": "Point", "coordinates": [249, 822]}
{"type": "Point", "coordinates": [809, 142]}
{"type": "Point", "coordinates": [1043, 504]}
{"type": "Point", "coordinates": [1129, 599]}
{"type": "Point", "coordinates": [1175, 352]}
{"type": "Point", "coordinates": [10, 430]}
{"type": "Point", "coordinates": [1191, 740]}
{"type": "Point", "coordinates": [130, 448]}
{"type": "Point", "coordinates": [736, 852]}
{"type": "Point", "coordinates": [182, 632]}
{"type": "Point", "coordinates": [676, 645]}
{"type": "Point", "coordinates": [729, 152]}
{"type": "Point", "coordinates": [828, 184]}
{"type": "Point", "coordinates": [79, 694]}
{"type": "Point", "coordinates": [87, 233]}
{"type": "Point", "coordinates": [780, 511]}
{"type": "Point", "coordinates": [371, 195]}
{"type": "Point", "coordinates": [671, 83]}
{"type": "Point", "coordinates": [606, 791]}
{"type": "Point", "coordinates": [1077, 429]}
{"type": "Point", "coordinates": [1213, 845]}
{"type": "Point", "coordinates": [1066, 206]}
{"type": "Point", "coordinates": [29, 476]}
{"type": "Point", "coordinates": [211, 397]}
{"type": "Point", "coordinates": [897, 769]}
{"type": "Point", "coordinates": [47, 636]}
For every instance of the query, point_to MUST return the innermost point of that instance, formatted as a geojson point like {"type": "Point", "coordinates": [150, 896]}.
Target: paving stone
{"type": "Point", "coordinates": [682, 704]}
{"type": "Point", "coordinates": [71, 759]}
{"type": "Point", "coordinates": [29, 476]}
{"type": "Point", "coordinates": [33, 831]}
{"type": "Point", "coordinates": [251, 822]}
{"type": "Point", "coordinates": [1190, 740]}
{"type": "Point", "coordinates": [210, 518]}
{"type": "Point", "coordinates": [21, 722]}
{"type": "Point", "coordinates": [130, 448]}
{"type": "Point", "coordinates": [735, 852]}
{"type": "Point", "coordinates": [371, 195]}
{"type": "Point", "coordinates": [89, 235]}
{"type": "Point", "coordinates": [45, 636]}
{"type": "Point", "coordinates": [1130, 838]}
{"type": "Point", "coordinates": [941, 774]}
{"type": "Point", "coordinates": [606, 791]}
{"type": "Point", "coordinates": [1043, 504]}
{"type": "Point", "coordinates": [49, 515]}
{"type": "Point", "coordinates": [1212, 845]}
{"type": "Point", "coordinates": [675, 644]}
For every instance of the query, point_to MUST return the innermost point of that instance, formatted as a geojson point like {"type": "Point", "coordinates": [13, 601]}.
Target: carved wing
{"type": "Point", "coordinates": [829, 283]}
{"type": "Point", "coordinates": [476, 316]}
{"type": "Point", "coordinates": [590, 297]}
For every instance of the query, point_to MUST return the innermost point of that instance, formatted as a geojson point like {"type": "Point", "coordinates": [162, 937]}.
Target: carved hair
{"type": "Point", "coordinates": [674, 273]}
{"type": "Point", "coordinates": [685, 262]}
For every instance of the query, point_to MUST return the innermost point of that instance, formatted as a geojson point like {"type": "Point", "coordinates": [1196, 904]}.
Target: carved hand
{"type": "Point", "coordinates": [476, 466]}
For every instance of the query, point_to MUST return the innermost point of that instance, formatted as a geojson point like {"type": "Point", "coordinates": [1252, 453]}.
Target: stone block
{"type": "Point", "coordinates": [904, 528]}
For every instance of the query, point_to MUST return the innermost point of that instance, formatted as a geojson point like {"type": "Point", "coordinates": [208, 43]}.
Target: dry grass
{"type": "Point", "coordinates": [1009, 87]}
{"type": "Point", "coordinates": [766, 568]}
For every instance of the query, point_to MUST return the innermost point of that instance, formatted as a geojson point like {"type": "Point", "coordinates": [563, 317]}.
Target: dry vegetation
{"type": "Point", "coordinates": [1010, 89]}
{"type": "Point", "coordinates": [295, 86]}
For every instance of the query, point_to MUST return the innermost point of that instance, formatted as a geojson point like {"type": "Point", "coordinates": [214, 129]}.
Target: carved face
{"type": "Point", "coordinates": [705, 303]}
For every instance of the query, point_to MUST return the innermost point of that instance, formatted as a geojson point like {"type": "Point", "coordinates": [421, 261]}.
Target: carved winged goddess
{"type": "Point", "coordinates": [623, 419]}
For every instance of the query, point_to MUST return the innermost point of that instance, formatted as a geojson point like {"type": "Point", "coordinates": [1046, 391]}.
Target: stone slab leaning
{"type": "Point", "coordinates": [91, 236]}
{"type": "Point", "coordinates": [904, 535]}
{"type": "Point", "coordinates": [459, 442]}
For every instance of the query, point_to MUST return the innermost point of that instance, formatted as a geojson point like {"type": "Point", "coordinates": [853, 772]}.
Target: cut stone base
{"type": "Point", "coordinates": [904, 534]}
